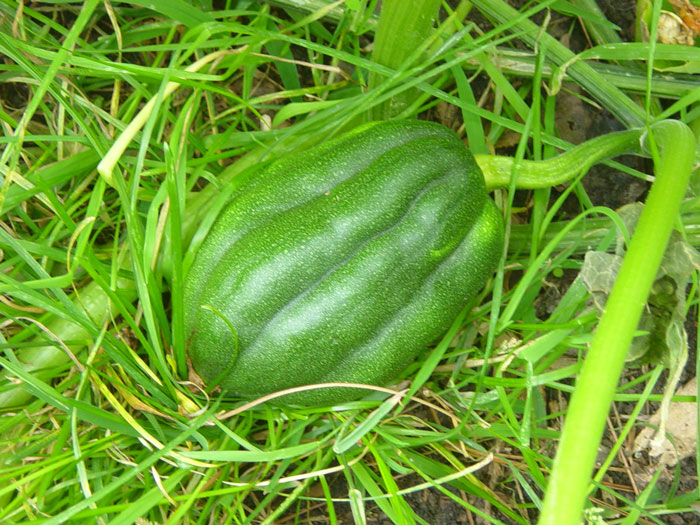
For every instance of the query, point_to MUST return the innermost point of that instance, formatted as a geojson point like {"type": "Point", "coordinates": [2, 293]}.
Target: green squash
{"type": "Point", "coordinates": [342, 263]}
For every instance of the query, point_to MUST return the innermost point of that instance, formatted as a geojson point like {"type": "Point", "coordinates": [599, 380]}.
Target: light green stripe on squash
{"type": "Point", "coordinates": [342, 263]}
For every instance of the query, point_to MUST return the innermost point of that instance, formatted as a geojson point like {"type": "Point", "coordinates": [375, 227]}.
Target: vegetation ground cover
{"type": "Point", "coordinates": [102, 420]}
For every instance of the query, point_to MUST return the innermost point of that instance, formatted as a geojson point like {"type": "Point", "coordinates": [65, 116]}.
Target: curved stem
{"type": "Point", "coordinates": [583, 429]}
{"type": "Point", "coordinates": [545, 173]}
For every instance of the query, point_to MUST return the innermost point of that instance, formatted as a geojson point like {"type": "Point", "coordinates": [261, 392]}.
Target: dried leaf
{"type": "Point", "coordinates": [681, 426]}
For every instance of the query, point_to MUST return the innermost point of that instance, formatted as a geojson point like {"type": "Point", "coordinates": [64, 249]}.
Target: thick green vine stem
{"type": "Point", "coordinates": [570, 479]}
{"type": "Point", "coordinates": [97, 306]}
{"type": "Point", "coordinates": [545, 173]}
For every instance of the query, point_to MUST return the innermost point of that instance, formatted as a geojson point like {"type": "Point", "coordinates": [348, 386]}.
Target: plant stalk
{"type": "Point", "coordinates": [585, 421]}
{"type": "Point", "coordinates": [534, 174]}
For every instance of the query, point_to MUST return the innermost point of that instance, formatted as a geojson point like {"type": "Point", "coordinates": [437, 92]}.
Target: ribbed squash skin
{"type": "Point", "coordinates": [341, 263]}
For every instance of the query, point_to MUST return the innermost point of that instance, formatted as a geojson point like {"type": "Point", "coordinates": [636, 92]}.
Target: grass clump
{"type": "Point", "coordinates": [126, 127]}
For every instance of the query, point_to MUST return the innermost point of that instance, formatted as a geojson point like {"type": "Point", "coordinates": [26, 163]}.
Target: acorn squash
{"type": "Point", "coordinates": [342, 263]}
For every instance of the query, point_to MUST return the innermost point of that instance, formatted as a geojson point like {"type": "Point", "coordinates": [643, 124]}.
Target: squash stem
{"type": "Point", "coordinates": [570, 479]}
{"type": "Point", "coordinates": [556, 170]}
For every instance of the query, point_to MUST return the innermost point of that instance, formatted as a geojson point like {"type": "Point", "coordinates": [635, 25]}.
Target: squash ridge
{"type": "Point", "coordinates": [356, 354]}
{"type": "Point", "coordinates": [333, 269]}
{"type": "Point", "coordinates": [222, 240]}
{"type": "Point", "coordinates": [253, 262]}
{"type": "Point", "coordinates": [265, 342]}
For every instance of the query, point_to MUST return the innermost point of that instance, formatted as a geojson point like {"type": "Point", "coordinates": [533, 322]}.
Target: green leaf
{"type": "Point", "coordinates": [344, 444]}
{"type": "Point", "coordinates": [183, 12]}
{"type": "Point", "coordinates": [564, 7]}
{"type": "Point", "coordinates": [253, 456]}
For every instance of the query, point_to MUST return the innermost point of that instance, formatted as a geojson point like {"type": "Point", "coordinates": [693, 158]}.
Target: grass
{"type": "Point", "coordinates": [108, 427]}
